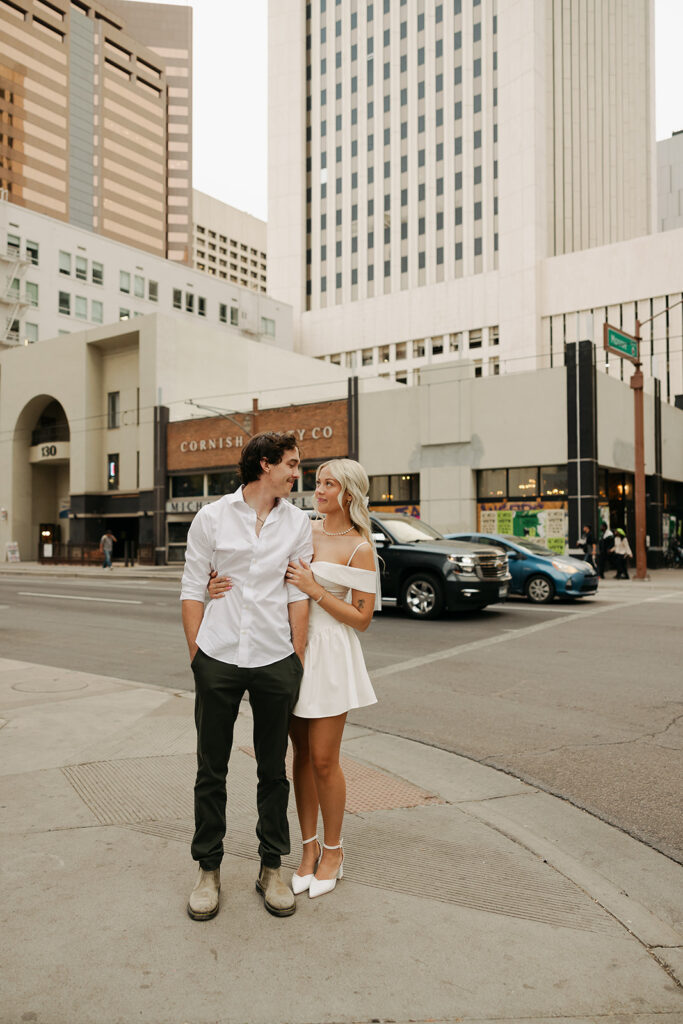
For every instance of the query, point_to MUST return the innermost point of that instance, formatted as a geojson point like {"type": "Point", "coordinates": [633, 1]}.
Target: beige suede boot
{"type": "Point", "coordinates": [203, 902]}
{"type": "Point", "coordinates": [277, 896]}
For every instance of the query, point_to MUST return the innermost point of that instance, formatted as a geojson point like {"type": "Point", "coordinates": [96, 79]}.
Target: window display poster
{"type": "Point", "coordinates": [545, 520]}
{"type": "Point", "coordinates": [12, 551]}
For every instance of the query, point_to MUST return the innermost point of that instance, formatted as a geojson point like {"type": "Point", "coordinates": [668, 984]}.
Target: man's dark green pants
{"type": "Point", "coordinates": [273, 691]}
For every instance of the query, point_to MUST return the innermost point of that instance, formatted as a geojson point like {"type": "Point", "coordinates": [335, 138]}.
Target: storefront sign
{"type": "Point", "coordinates": [183, 506]}
{"type": "Point", "coordinates": [12, 551]}
{"type": "Point", "coordinates": [320, 429]}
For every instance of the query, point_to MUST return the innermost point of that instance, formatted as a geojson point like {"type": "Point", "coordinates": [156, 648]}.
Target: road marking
{"type": "Point", "coordinates": [70, 597]}
{"type": "Point", "coordinates": [477, 645]}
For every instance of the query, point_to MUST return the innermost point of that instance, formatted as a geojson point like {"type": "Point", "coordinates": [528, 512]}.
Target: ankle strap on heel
{"type": "Point", "coordinates": [339, 847]}
{"type": "Point", "coordinates": [311, 840]}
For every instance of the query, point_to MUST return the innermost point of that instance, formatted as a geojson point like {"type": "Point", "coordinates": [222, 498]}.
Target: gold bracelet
{"type": "Point", "coordinates": [322, 595]}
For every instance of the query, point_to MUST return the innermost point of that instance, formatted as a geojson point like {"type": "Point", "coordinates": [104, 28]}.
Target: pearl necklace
{"type": "Point", "coordinates": [339, 534]}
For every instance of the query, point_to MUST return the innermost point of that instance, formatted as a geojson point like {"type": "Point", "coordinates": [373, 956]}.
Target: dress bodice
{"type": "Point", "coordinates": [338, 580]}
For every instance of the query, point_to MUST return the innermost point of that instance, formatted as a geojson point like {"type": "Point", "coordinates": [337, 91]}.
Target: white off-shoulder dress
{"type": "Point", "coordinates": [335, 678]}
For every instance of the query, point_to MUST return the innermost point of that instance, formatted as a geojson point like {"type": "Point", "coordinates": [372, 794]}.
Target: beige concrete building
{"type": "Point", "coordinates": [431, 165]}
{"type": "Point", "coordinates": [87, 121]}
{"type": "Point", "coordinates": [228, 243]}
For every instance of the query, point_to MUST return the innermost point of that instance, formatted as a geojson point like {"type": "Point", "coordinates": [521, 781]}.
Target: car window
{"type": "Point", "coordinates": [534, 546]}
{"type": "Point", "coordinates": [408, 530]}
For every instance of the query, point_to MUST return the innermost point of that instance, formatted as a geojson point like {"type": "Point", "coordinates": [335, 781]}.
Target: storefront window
{"type": "Point", "coordinates": [491, 483]}
{"type": "Point", "coordinates": [398, 488]}
{"type": "Point", "coordinates": [191, 486]}
{"type": "Point", "coordinates": [523, 483]}
{"type": "Point", "coordinates": [308, 478]}
{"type": "Point", "coordinates": [553, 481]}
{"type": "Point", "coordinates": [225, 482]}
{"type": "Point", "coordinates": [177, 533]}
{"type": "Point", "coordinates": [113, 472]}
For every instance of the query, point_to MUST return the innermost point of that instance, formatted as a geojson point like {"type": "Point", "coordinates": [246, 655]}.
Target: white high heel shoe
{"type": "Point", "coordinates": [320, 886]}
{"type": "Point", "coordinates": [300, 883]}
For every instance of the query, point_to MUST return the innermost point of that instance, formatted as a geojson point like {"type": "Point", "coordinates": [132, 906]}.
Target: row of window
{"type": "Point", "coordinates": [30, 292]}
{"type": "Point", "coordinates": [386, 7]}
{"type": "Point", "coordinates": [31, 249]}
{"type": "Point", "coordinates": [78, 265]}
{"type": "Point", "coordinates": [383, 489]}
{"type": "Point", "coordinates": [458, 341]}
{"type": "Point", "coordinates": [137, 282]}
{"type": "Point", "coordinates": [477, 249]}
{"type": "Point", "coordinates": [234, 245]}
{"type": "Point", "coordinates": [77, 305]}
{"type": "Point", "coordinates": [522, 483]}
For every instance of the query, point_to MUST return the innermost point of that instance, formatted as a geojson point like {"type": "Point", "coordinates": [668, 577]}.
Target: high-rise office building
{"type": "Point", "coordinates": [94, 129]}
{"type": "Point", "coordinates": [228, 243]}
{"type": "Point", "coordinates": [426, 157]}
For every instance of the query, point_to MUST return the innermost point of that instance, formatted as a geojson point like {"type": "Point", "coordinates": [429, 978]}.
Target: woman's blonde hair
{"type": "Point", "coordinates": [354, 482]}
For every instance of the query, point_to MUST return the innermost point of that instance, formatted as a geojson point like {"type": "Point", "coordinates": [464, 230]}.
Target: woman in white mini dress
{"type": "Point", "coordinates": [342, 584]}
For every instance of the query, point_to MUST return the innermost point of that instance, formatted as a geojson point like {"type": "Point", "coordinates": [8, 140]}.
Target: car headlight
{"type": "Point", "coordinates": [466, 563]}
{"type": "Point", "coordinates": [564, 567]}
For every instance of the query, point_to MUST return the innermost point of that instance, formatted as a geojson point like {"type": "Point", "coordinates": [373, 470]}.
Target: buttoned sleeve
{"type": "Point", "coordinates": [303, 548]}
{"type": "Point", "coordinates": [198, 557]}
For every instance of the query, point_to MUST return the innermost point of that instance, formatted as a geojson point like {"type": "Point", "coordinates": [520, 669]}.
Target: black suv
{"type": "Point", "coordinates": [424, 573]}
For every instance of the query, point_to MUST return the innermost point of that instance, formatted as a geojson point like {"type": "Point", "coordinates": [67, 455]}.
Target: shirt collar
{"type": "Point", "coordinates": [238, 497]}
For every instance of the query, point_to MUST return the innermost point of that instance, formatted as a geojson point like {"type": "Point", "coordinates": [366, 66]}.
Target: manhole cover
{"type": "Point", "coordinates": [50, 686]}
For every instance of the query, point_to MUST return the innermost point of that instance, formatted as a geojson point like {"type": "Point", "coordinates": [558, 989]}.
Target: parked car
{"type": "Point", "coordinates": [537, 572]}
{"type": "Point", "coordinates": [425, 574]}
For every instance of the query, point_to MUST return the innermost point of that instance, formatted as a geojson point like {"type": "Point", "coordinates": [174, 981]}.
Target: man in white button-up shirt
{"type": "Point", "coordinates": [253, 640]}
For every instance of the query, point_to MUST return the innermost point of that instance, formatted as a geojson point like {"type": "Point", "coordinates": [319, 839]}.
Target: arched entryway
{"type": "Point", "coordinates": [41, 478]}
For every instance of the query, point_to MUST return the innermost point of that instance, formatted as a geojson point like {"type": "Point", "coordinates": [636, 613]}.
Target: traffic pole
{"type": "Point", "coordinates": [639, 496]}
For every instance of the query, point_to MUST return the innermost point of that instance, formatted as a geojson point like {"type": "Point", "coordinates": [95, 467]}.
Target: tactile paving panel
{"type": "Point", "coordinates": [368, 789]}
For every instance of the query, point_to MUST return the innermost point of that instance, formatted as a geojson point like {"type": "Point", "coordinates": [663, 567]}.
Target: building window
{"type": "Point", "coordinates": [97, 311]}
{"type": "Point", "coordinates": [65, 303]}
{"type": "Point", "coordinates": [523, 482]}
{"type": "Point", "coordinates": [124, 282]}
{"type": "Point", "coordinates": [65, 263]}
{"type": "Point", "coordinates": [124, 314]}
{"type": "Point", "coordinates": [139, 287]}
{"type": "Point", "coordinates": [30, 333]}
{"type": "Point", "coordinates": [491, 483]}
{"type": "Point", "coordinates": [81, 307]}
{"type": "Point", "coordinates": [177, 298]}
{"type": "Point", "coordinates": [153, 291]}
{"type": "Point", "coordinates": [189, 302]}
{"type": "Point", "coordinates": [267, 327]}
{"type": "Point", "coordinates": [223, 313]}
{"type": "Point", "coordinates": [554, 481]}
{"type": "Point", "coordinates": [201, 305]}
{"type": "Point", "coordinates": [475, 339]}
{"type": "Point", "coordinates": [32, 252]}
{"type": "Point", "coordinates": [31, 293]}
{"type": "Point", "coordinates": [367, 357]}
{"type": "Point", "coordinates": [113, 410]}
{"type": "Point", "coordinates": [97, 271]}
{"type": "Point", "coordinates": [81, 268]}
{"type": "Point", "coordinates": [113, 472]}
{"type": "Point", "coordinates": [234, 316]}
{"type": "Point", "coordinates": [397, 489]}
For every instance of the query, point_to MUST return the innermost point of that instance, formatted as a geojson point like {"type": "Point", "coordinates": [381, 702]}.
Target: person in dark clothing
{"type": "Point", "coordinates": [588, 544]}
{"type": "Point", "coordinates": [605, 549]}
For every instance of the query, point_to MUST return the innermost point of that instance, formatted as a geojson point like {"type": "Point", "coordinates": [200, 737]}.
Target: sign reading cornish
{"type": "Point", "coordinates": [215, 441]}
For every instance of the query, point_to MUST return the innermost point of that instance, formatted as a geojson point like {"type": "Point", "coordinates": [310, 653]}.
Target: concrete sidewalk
{"type": "Point", "coordinates": [94, 572]}
{"type": "Point", "coordinates": [467, 895]}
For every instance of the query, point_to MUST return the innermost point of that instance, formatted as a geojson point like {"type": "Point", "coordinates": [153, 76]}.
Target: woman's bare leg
{"type": "Point", "coordinates": [324, 738]}
{"type": "Point", "coordinates": [305, 792]}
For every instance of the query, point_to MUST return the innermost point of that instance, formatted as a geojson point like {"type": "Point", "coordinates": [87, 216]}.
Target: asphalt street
{"type": "Point", "coordinates": [583, 700]}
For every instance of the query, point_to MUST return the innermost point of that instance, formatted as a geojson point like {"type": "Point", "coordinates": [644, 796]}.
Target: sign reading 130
{"type": "Point", "coordinates": [48, 449]}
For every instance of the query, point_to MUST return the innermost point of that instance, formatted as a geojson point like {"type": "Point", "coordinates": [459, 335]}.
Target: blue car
{"type": "Point", "coordinates": [537, 572]}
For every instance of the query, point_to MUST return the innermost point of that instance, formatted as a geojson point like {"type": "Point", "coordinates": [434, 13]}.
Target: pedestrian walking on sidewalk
{"type": "Point", "coordinates": [622, 553]}
{"type": "Point", "coordinates": [253, 641]}
{"type": "Point", "coordinates": [343, 586]}
{"type": "Point", "coordinates": [107, 541]}
{"type": "Point", "coordinates": [605, 549]}
{"type": "Point", "coordinates": [587, 542]}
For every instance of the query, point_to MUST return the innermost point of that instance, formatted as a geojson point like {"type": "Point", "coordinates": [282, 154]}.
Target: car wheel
{"type": "Point", "coordinates": [422, 596]}
{"type": "Point", "coordinates": [540, 590]}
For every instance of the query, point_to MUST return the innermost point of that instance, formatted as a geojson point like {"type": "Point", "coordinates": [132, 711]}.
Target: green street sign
{"type": "Point", "coordinates": [621, 343]}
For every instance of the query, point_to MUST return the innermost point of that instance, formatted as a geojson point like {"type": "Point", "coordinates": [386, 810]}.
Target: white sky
{"type": "Point", "coordinates": [231, 94]}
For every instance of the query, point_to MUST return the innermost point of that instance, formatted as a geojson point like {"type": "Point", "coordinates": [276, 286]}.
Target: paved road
{"type": "Point", "coordinates": [583, 700]}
